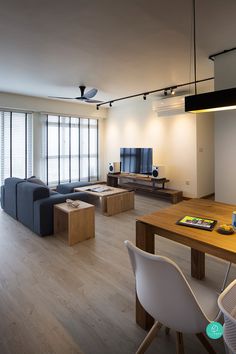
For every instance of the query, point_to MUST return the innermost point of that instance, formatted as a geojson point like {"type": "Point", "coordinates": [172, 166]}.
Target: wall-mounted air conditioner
{"type": "Point", "coordinates": [168, 107]}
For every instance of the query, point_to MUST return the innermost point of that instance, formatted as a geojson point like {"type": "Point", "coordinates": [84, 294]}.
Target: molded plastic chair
{"type": "Point", "coordinates": [227, 304]}
{"type": "Point", "coordinates": [165, 294]}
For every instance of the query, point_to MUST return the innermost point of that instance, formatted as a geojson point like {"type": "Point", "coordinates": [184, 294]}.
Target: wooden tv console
{"type": "Point", "coordinates": [146, 184]}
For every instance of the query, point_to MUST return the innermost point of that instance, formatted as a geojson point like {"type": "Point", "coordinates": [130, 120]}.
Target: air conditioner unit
{"type": "Point", "coordinates": [167, 107]}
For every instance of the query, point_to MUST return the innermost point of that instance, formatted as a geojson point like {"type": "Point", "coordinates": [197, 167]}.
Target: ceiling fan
{"type": "Point", "coordinates": [84, 96]}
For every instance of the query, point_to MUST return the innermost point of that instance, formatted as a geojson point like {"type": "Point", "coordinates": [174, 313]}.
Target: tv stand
{"type": "Point", "coordinates": [148, 184]}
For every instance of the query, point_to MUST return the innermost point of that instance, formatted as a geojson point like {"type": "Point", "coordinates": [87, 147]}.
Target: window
{"type": "Point", "coordinates": [15, 145]}
{"type": "Point", "coordinates": [72, 149]}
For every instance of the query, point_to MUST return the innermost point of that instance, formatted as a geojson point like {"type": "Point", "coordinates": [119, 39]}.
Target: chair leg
{"type": "Point", "coordinates": [167, 330]}
{"type": "Point", "coordinates": [179, 343]}
{"type": "Point", "coordinates": [207, 345]}
{"type": "Point", "coordinates": [149, 338]}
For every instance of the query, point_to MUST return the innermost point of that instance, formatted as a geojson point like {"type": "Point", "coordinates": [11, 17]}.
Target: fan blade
{"type": "Point", "coordinates": [62, 98]}
{"type": "Point", "coordinates": [92, 101]}
{"type": "Point", "coordinates": [81, 98]}
{"type": "Point", "coordinates": [91, 93]}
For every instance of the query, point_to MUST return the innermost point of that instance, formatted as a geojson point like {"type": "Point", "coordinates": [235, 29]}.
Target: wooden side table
{"type": "Point", "coordinates": [74, 225]}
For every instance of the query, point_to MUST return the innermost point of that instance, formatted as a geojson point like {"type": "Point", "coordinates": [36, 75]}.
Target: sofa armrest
{"type": "Point", "coordinates": [2, 196]}
{"type": "Point", "coordinates": [10, 195]}
{"type": "Point", "coordinates": [27, 193]}
{"type": "Point", "coordinates": [43, 211]}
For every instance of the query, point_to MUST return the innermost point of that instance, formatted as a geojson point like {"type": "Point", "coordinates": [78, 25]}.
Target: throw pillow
{"type": "Point", "coordinates": [36, 180]}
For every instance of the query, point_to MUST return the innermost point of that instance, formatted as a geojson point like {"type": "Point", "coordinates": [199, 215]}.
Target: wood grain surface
{"type": "Point", "coordinates": [164, 221]}
{"type": "Point", "coordinates": [74, 225]}
{"type": "Point", "coordinates": [56, 299]}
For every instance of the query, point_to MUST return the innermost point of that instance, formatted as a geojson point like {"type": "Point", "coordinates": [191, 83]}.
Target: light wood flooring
{"type": "Point", "coordinates": [63, 300]}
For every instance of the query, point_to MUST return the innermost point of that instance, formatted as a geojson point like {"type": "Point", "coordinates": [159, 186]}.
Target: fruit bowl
{"type": "Point", "coordinates": [225, 229]}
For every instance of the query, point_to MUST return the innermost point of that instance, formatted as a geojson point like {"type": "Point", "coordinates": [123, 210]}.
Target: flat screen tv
{"type": "Point", "coordinates": [136, 160]}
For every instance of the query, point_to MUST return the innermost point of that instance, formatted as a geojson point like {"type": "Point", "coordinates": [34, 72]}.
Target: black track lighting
{"type": "Point", "coordinates": [97, 107]}
{"type": "Point", "coordinates": [144, 94]}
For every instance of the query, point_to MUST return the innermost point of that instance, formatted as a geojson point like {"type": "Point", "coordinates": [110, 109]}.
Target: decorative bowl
{"type": "Point", "coordinates": [225, 229]}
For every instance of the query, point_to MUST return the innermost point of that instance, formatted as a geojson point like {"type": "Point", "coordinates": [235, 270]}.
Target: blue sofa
{"type": "Point", "coordinates": [65, 188]}
{"type": "Point", "coordinates": [32, 204]}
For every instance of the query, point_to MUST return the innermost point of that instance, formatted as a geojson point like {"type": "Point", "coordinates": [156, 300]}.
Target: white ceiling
{"type": "Point", "coordinates": [49, 47]}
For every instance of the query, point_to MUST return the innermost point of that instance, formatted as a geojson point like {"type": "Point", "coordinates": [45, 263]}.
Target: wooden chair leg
{"type": "Point", "coordinates": [167, 330]}
{"type": "Point", "coordinates": [179, 343]}
{"type": "Point", "coordinates": [149, 338]}
{"type": "Point", "coordinates": [207, 345]}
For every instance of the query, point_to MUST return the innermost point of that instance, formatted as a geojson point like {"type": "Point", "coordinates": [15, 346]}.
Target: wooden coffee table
{"type": "Point", "coordinates": [113, 200]}
{"type": "Point", "coordinates": [74, 225]}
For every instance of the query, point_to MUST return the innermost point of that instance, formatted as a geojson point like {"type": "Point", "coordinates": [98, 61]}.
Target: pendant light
{"type": "Point", "coordinates": [221, 100]}
{"type": "Point", "coordinates": [209, 101]}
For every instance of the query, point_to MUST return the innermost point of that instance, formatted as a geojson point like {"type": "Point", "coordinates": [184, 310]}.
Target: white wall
{"type": "Point", "coordinates": [173, 139]}
{"type": "Point", "coordinates": [225, 133]}
{"type": "Point", "coordinates": [205, 154]}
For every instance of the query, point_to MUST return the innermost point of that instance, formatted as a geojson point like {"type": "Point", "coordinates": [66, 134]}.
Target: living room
{"type": "Point", "coordinates": [57, 298]}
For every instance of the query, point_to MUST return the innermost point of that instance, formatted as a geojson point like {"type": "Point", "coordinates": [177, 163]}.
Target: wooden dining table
{"type": "Point", "coordinates": [163, 223]}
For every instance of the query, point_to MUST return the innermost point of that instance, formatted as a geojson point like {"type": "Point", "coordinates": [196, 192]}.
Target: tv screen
{"type": "Point", "coordinates": [136, 160]}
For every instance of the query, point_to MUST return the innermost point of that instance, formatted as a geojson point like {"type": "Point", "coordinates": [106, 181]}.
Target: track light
{"type": "Point", "coordinates": [97, 107]}
{"type": "Point", "coordinates": [172, 91]}
{"type": "Point", "coordinates": [167, 90]}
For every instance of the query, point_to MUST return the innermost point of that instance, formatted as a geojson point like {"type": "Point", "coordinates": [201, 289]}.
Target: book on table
{"type": "Point", "coordinates": [99, 189]}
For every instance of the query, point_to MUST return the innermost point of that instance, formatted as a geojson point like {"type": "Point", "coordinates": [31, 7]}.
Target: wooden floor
{"type": "Point", "coordinates": [63, 300]}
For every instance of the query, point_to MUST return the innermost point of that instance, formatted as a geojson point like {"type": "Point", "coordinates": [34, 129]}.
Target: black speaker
{"type": "Point", "coordinates": [158, 171]}
{"type": "Point", "coordinates": [114, 167]}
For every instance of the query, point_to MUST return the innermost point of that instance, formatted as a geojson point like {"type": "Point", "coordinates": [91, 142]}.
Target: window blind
{"type": "Point", "coordinates": [72, 149]}
{"type": "Point", "coordinates": [16, 150]}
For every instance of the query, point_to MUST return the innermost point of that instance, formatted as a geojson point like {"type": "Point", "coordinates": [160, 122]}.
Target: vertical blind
{"type": "Point", "coordinates": [15, 145]}
{"type": "Point", "coordinates": [72, 149]}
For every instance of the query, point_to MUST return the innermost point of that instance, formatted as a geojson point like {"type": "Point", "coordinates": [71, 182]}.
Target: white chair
{"type": "Point", "coordinates": [165, 294]}
{"type": "Point", "coordinates": [227, 304]}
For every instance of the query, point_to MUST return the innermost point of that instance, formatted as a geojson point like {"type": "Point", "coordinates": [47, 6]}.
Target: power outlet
{"type": "Point", "coordinates": [187, 183]}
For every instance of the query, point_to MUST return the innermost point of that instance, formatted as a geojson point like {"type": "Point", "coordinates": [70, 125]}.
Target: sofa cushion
{"type": "Point", "coordinates": [36, 180]}
{"type": "Point", "coordinates": [53, 192]}
{"type": "Point", "coordinates": [69, 187]}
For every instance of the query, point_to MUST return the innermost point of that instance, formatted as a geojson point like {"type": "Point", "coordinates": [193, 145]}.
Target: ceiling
{"type": "Point", "coordinates": [49, 48]}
